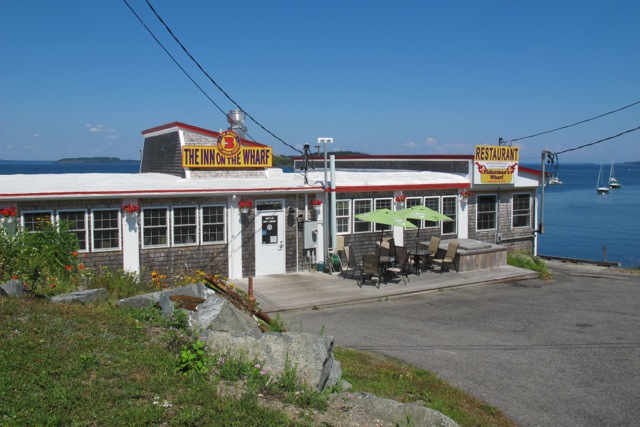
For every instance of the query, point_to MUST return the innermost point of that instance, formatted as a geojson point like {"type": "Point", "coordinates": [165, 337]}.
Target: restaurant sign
{"type": "Point", "coordinates": [495, 164]}
{"type": "Point", "coordinates": [228, 153]}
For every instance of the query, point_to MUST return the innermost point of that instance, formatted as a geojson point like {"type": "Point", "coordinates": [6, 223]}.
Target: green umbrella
{"type": "Point", "coordinates": [385, 216]}
{"type": "Point", "coordinates": [423, 213]}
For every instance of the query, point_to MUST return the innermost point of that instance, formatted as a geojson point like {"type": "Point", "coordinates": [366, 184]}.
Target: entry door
{"type": "Point", "coordinates": [270, 238]}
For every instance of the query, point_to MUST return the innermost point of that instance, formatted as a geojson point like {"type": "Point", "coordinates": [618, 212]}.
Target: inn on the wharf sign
{"type": "Point", "coordinates": [228, 153]}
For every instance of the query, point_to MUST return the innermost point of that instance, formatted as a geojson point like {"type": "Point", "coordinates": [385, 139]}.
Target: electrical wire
{"type": "Point", "coordinates": [181, 68]}
{"type": "Point", "coordinates": [575, 124]}
{"type": "Point", "coordinates": [597, 142]}
{"type": "Point", "coordinates": [214, 82]}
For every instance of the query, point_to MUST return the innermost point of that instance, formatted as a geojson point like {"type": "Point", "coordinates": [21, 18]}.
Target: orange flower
{"type": "Point", "coordinates": [74, 253]}
{"type": "Point", "coordinates": [81, 267]}
{"type": "Point", "coordinates": [14, 277]}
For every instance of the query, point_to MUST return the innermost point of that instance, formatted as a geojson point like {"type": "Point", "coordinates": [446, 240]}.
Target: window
{"type": "Point", "coordinates": [155, 228]}
{"type": "Point", "coordinates": [521, 210]}
{"type": "Point", "coordinates": [359, 207]}
{"type": "Point", "coordinates": [382, 204]}
{"type": "Point", "coordinates": [414, 201]}
{"type": "Point", "coordinates": [432, 203]}
{"type": "Point", "coordinates": [343, 216]}
{"type": "Point", "coordinates": [213, 224]}
{"type": "Point", "coordinates": [486, 216]}
{"type": "Point", "coordinates": [31, 221]}
{"type": "Point", "coordinates": [77, 221]}
{"type": "Point", "coordinates": [185, 226]}
{"type": "Point", "coordinates": [449, 206]}
{"type": "Point", "coordinates": [106, 230]}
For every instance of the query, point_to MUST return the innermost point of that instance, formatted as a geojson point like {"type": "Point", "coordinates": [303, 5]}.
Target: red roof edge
{"type": "Point", "coordinates": [197, 129]}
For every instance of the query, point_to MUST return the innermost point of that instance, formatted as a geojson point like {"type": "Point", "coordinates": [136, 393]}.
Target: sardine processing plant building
{"type": "Point", "coordinates": [212, 201]}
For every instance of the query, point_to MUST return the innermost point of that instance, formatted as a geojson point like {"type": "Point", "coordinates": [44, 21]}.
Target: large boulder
{"type": "Point", "coordinates": [311, 355]}
{"type": "Point", "coordinates": [82, 297]}
{"type": "Point", "coordinates": [13, 288]}
{"type": "Point", "coordinates": [218, 314]}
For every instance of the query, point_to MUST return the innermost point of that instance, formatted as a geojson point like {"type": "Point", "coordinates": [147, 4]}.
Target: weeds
{"type": "Point", "coordinates": [529, 262]}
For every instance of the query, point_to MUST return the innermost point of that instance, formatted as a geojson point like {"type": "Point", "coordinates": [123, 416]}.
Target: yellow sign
{"type": "Point", "coordinates": [495, 165]}
{"type": "Point", "coordinates": [228, 153]}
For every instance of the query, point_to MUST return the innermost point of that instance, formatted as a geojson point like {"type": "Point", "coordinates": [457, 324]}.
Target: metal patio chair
{"type": "Point", "coordinates": [449, 257]}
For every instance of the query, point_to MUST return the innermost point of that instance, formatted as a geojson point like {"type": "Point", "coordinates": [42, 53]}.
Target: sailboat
{"type": "Point", "coordinates": [600, 187]}
{"type": "Point", "coordinates": [613, 182]}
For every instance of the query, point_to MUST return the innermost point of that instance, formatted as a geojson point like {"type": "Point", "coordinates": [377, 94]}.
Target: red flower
{"type": "Point", "coordinates": [53, 285]}
{"type": "Point", "coordinates": [245, 204]}
{"type": "Point", "coordinates": [14, 277]}
{"type": "Point", "coordinates": [81, 267]}
{"type": "Point", "coordinates": [67, 267]}
{"type": "Point", "coordinates": [400, 198]}
{"type": "Point", "coordinates": [316, 202]}
{"type": "Point", "coordinates": [74, 253]}
{"type": "Point", "coordinates": [8, 212]}
{"type": "Point", "coordinates": [131, 208]}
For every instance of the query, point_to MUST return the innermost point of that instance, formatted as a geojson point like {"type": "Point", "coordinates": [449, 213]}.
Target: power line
{"type": "Point", "coordinates": [575, 124]}
{"type": "Point", "coordinates": [179, 66]}
{"type": "Point", "coordinates": [214, 82]}
{"type": "Point", "coordinates": [598, 142]}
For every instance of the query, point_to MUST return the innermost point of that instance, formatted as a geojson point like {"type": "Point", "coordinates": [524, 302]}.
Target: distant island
{"type": "Point", "coordinates": [95, 160]}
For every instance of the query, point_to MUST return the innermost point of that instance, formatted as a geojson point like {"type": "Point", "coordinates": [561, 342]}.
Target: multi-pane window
{"type": "Point", "coordinates": [185, 230]}
{"type": "Point", "coordinates": [213, 224]}
{"type": "Point", "coordinates": [382, 204]}
{"type": "Point", "coordinates": [486, 212]}
{"type": "Point", "coordinates": [414, 201]}
{"type": "Point", "coordinates": [77, 222]}
{"type": "Point", "coordinates": [155, 227]}
{"type": "Point", "coordinates": [432, 203]}
{"type": "Point", "coordinates": [449, 204]}
{"type": "Point", "coordinates": [521, 210]}
{"type": "Point", "coordinates": [106, 230]}
{"type": "Point", "coordinates": [359, 207]}
{"type": "Point", "coordinates": [31, 221]}
{"type": "Point", "coordinates": [343, 216]}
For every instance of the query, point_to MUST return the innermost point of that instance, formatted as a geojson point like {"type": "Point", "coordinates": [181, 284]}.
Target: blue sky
{"type": "Point", "coordinates": [383, 77]}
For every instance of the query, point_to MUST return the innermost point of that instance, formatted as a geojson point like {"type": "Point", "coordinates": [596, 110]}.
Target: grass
{"type": "Point", "coordinates": [529, 262]}
{"type": "Point", "coordinates": [393, 379]}
{"type": "Point", "coordinates": [73, 365]}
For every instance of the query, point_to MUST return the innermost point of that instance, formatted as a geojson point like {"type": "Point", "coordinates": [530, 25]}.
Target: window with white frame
{"type": "Point", "coordinates": [105, 229]}
{"type": "Point", "coordinates": [185, 229]}
{"type": "Point", "coordinates": [414, 201]}
{"type": "Point", "coordinates": [382, 204]}
{"type": "Point", "coordinates": [155, 227]}
{"type": "Point", "coordinates": [521, 210]}
{"type": "Point", "coordinates": [449, 208]}
{"type": "Point", "coordinates": [486, 212]}
{"type": "Point", "coordinates": [213, 224]}
{"type": "Point", "coordinates": [77, 222]}
{"type": "Point", "coordinates": [432, 203]}
{"type": "Point", "coordinates": [32, 220]}
{"type": "Point", "coordinates": [343, 216]}
{"type": "Point", "coordinates": [361, 206]}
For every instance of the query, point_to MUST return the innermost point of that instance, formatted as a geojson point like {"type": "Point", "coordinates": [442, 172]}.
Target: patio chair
{"type": "Point", "coordinates": [449, 257]}
{"type": "Point", "coordinates": [352, 265]}
{"type": "Point", "coordinates": [370, 270]}
{"type": "Point", "coordinates": [434, 244]}
{"type": "Point", "coordinates": [402, 261]}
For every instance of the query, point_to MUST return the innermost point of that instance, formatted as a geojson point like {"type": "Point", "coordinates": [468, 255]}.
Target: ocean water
{"type": "Point", "coordinates": [578, 222]}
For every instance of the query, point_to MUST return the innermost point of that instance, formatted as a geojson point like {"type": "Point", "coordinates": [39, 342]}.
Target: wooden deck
{"type": "Point", "coordinates": [307, 289]}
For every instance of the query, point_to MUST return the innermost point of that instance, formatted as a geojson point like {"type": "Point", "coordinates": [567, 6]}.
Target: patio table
{"type": "Point", "coordinates": [417, 257]}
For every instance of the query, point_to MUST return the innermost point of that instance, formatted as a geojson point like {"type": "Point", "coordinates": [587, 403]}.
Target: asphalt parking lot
{"type": "Point", "coordinates": [564, 352]}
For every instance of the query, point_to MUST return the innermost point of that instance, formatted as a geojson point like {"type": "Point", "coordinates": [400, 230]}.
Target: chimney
{"type": "Point", "coordinates": [236, 119]}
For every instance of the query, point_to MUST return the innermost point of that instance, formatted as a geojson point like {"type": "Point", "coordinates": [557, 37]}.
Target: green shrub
{"type": "Point", "coordinates": [529, 262]}
{"type": "Point", "coordinates": [45, 260]}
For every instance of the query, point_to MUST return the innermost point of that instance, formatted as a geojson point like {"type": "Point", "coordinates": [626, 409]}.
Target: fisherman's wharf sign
{"type": "Point", "coordinates": [228, 153]}
{"type": "Point", "coordinates": [495, 164]}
